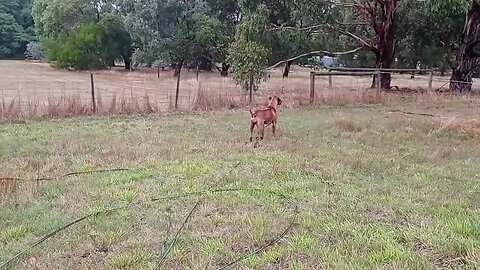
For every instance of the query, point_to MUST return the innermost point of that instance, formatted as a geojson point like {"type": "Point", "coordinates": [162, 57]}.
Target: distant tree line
{"type": "Point", "coordinates": [245, 37]}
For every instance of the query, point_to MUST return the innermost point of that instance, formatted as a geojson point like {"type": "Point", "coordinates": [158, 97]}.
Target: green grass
{"type": "Point", "coordinates": [373, 190]}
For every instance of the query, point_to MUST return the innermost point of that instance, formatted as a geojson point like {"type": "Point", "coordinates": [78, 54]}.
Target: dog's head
{"type": "Point", "coordinates": [274, 101]}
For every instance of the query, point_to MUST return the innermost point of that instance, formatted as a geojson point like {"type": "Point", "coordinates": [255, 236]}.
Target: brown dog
{"type": "Point", "coordinates": [265, 116]}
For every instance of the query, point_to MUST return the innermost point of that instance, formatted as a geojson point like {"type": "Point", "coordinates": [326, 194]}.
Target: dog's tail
{"type": "Point", "coordinates": [251, 113]}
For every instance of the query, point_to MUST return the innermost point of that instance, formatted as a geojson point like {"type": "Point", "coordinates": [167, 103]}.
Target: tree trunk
{"type": "Point", "coordinates": [178, 67]}
{"type": "Point", "coordinates": [414, 67]}
{"type": "Point", "coordinates": [225, 68]}
{"type": "Point", "coordinates": [128, 64]}
{"type": "Point", "coordinates": [467, 59]}
{"type": "Point", "coordinates": [461, 81]}
{"type": "Point", "coordinates": [127, 59]}
{"type": "Point", "coordinates": [286, 71]}
{"type": "Point", "coordinates": [385, 52]}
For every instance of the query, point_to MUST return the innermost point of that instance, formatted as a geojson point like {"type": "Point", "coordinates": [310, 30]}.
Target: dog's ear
{"type": "Point", "coordinates": [279, 101]}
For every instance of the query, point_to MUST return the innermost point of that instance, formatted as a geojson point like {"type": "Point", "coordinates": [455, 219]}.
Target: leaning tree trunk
{"type": "Point", "coordinates": [178, 67]}
{"type": "Point", "coordinates": [467, 57]}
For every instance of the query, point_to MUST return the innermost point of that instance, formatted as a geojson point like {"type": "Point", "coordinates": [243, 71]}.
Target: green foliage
{"type": "Point", "coordinates": [164, 32]}
{"type": "Point", "coordinates": [248, 53]}
{"type": "Point", "coordinates": [15, 27]}
{"type": "Point", "coordinates": [56, 17]}
{"type": "Point", "coordinates": [117, 41]}
{"type": "Point", "coordinates": [11, 35]}
{"type": "Point", "coordinates": [212, 38]}
{"type": "Point", "coordinates": [167, 31]}
{"type": "Point", "coordinates": [248, 59]}
{"type": "Point", "coordinates": [447, 7]}
{"type": "Point", "coordinates": [82, 50]}
{"type": "Point", "coordinates": [81, 34]}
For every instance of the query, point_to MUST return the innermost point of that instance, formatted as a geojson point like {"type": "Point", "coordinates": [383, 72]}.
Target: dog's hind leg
{"type": "Point", "coordinates": [252, 126]}
{"type": "Point", "coordinates": [261, 126]}
{"type": "Point", "coordinates": [274, 127]}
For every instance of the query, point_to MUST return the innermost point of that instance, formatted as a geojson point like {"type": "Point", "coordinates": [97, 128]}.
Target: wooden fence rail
{"type": "Point", "coordinates": [361, 72]}
{"type": "Point", "coordinates": [393, 70]}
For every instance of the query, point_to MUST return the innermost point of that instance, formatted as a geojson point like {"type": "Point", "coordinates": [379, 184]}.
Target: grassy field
{"type": "Point", "coordinates": [373, 189]}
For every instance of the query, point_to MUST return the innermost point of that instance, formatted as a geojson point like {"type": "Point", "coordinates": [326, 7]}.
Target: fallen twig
{"type": "Point", "coordinates": [413, 113]}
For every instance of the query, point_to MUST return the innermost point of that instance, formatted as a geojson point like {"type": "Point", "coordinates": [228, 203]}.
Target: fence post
{"type": "Point", "coordinates": [197, 71]}
{"type": "Point", "coordinates": [158, 72]}
{"type": "Point", "coordinates": [178, 90]}
{"type": "Point", "coordinates": [312, 88]}
{"type": "Point", "coordinates": [94, 104]}
{"type": "Point", "coordinates": [379, 81]}
{"type": "Point", "coordinates": [430, 82]}
{"type": "Point", "coordinates": [330, 82]}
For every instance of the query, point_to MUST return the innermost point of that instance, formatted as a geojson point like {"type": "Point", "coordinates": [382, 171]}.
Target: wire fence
{"type": "Point", "coordinates": [112, 93]}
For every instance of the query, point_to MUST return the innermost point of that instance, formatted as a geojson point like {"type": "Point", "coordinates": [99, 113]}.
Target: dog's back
{"type": "Point", "coordinates": [267, 115]}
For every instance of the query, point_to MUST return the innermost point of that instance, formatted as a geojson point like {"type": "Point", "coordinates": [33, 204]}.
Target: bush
{"type": "Point", "coordinates": [91, 46]}
{"type": "Point", "coordinates": [248, 53]}
{"type": "Point", "coordinates": [35, 51]}
{"type": "Point", "coordinates": [249, 59]}
{"type": "Point", "coordinates": [83, 50]}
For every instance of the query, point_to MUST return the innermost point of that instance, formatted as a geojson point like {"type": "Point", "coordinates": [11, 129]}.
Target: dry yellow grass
{"type": "Point", "coordinates": [466, 127]}
{"type": "Point", "coordinates": [32, 89]}
{"type": "Point", "coordinates": [348, 125]}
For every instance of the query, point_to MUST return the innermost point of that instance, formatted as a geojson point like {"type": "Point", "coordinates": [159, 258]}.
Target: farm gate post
{"type": "Point", "coordinates": [94, 104]}
{"type": "Point", "coordinates": [430, 82]}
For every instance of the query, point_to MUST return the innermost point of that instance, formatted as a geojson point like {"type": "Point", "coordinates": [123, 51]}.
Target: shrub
{"type": "Point", "coordinates": [35, 51]}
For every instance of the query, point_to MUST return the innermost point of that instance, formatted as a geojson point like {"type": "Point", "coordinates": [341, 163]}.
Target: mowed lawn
{"type": "Point", "coordinates": [372, 189]}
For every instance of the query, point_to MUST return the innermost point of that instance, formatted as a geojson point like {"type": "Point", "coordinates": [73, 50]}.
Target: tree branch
{"type": "Point", "coordinates": [359, 40]}
{"type": "Point", "coordinates": [275, 27]}
{"type": "Point", "coordinates": [333, 54]}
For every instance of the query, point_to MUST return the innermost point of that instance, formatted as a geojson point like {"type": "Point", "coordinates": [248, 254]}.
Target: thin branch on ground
{"type": "Point", "coordinates": [61, 176]}
{"type": "Point", "coordinates": [413, 113]}
{"type": "Point", "coordinates": [166, 250]}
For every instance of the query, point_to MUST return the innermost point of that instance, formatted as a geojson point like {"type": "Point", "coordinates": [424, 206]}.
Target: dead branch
{"type": "Point", "coordinates": [413, 113]}
{"type": "Point", "coordinates": [275, 27]}
{"type": "Point", "coordinates": [315, 53]}
{"type": "Point", "coordinates": [359, 40]}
